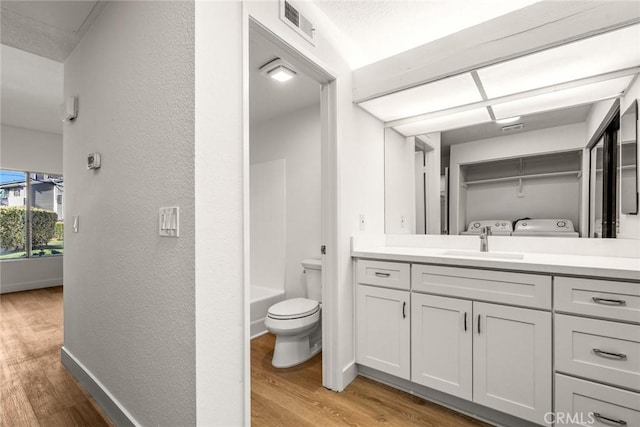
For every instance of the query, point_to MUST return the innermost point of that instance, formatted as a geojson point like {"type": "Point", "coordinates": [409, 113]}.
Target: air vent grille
{"type": "Point", "coordinates": [512, 128]}
{"type": "Point", "coordinates": [297, 21]}
{"type": "Point", "coordinates": [292, 14]}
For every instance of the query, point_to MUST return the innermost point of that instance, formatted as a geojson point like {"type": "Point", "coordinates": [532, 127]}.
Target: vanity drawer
{"type": "Point", "coordinates": [598, 349]}
{"type": "Point", "coordinates": [602, 298]}
{"type": "Point", "coordinates": [527, 290]}
{"type": "Point", "coordinates": [381, 273]}
{"type": "Point", "coordinates": [585, 401]}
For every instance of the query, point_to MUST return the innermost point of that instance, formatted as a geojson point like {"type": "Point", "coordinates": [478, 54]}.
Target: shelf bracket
{"type": "Point", "coordinates": [520, 191]}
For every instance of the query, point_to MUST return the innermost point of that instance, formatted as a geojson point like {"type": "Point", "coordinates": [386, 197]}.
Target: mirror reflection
{"type": "Point", "coordinates": [551, 161]}
{"type": "Point", "coordinates": [629, 160]}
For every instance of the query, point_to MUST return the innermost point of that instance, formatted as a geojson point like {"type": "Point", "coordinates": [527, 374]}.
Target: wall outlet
{"type": "Point", "coordinates": [362, 222]}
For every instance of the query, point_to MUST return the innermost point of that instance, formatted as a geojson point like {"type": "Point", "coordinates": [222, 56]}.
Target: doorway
{"type": "Point", "coordinates": [324, 224]}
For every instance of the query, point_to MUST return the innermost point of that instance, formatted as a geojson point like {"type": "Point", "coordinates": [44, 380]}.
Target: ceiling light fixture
{"type": "Point", "coordinates": [508, 120]}
{"type": "Point", "coordinates": [278, 70]}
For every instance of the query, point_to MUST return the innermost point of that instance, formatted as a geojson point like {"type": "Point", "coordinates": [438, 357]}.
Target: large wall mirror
{"type": "Point", "coordinates": [629, 160]}
{"type": "Point", "coordinates": [514, 141]}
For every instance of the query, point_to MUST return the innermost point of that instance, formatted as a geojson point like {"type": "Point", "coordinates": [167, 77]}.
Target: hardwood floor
{"type": "Point", "coordinates": [295, 397]}
{"type": "Point", "coordinates": [35, 388]}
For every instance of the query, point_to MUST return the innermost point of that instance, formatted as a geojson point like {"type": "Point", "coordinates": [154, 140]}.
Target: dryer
{"type": "Point", "coordinates": [545, 228]}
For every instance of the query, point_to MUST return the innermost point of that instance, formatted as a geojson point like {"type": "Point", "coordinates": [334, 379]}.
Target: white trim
{"type": "Point", "coordinates": [349, 373]}
{"type": "Point", "coordinates": [331, 375]}
{"type": "Point", "coordinates": [109, 404]}
{"type": "Point", "coordinates": [246, 216]}
{"type": "Point", "coordinates": [29, 286]}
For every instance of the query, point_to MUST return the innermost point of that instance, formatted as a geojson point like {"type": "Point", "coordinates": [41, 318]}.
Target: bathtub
{"type": "Point", "coordinates": [261, 299]}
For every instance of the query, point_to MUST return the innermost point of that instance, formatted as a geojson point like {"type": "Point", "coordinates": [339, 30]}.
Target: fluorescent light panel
{"type": "Point", "coordinates": [451, 121]}
{"type": "Point", "coordinates": [608, 52]}
{"type": "Point", "coordinates": [439, 95]}
{"type": "Point", "coordinates": [562, 98]}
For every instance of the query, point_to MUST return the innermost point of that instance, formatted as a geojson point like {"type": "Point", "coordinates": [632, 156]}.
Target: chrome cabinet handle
{"type": "Point", "coordinates": [606, 301]}
{"type": "Point", "coordinates": [465, 321]}
{"type": "Point", "coordinates": [608, 354]}
{"type": "Point", "coordinates": [478, 324]}
{"type": "Point", "coordinates": [610, 420]}
{"type": "Point", "coordinates": [378, 274]}
{"type": "Point", "coordinates": [404, 313]}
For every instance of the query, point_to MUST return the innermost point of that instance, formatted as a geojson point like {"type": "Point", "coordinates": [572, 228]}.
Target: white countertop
{"type": "Point", "coordinates": [565, 264]}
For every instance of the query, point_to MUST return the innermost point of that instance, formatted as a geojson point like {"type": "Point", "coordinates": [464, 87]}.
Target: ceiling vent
{"type": "Point", "coordinates": [512, 128]}
{"type": "Point", "coordinates": [292, 17]}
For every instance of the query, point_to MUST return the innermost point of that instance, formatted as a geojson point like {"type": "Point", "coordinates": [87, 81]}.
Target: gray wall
{"type": "Point", "coordinates": [129, 294]}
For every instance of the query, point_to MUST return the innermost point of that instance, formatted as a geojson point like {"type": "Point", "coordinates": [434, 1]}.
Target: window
{"type": "Point", "coordinates": [31, 215]}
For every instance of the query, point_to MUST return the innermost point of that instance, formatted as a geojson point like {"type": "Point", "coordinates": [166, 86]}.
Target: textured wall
{"type": "Point", "coordinates": [129, 294]}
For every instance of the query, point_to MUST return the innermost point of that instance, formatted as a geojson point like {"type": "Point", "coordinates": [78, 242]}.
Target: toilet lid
{"type": "Point", "coordinates": [293, 308]}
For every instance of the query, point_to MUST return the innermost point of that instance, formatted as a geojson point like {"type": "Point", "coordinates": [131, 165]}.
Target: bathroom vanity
{"type": "Point", "coordinates": [503, 336]}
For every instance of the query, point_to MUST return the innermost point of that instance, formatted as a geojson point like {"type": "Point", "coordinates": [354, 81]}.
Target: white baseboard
{"type": "Point", "coordinates": [258, 328]}
{"type": "Point", "coordinates": [109, 404]}
{"type": "Point", "coordinates": [29, 286]}
{"type": "Point", "coordinates": [349, 373]}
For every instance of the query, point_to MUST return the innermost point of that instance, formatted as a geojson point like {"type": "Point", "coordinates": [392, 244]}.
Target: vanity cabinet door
{"type": "Point", "coordinates": [512, 360]}
{"type": "Point", "coordinates": [441, 344]}
{"type": "Point", "coordinates": [382, 330]}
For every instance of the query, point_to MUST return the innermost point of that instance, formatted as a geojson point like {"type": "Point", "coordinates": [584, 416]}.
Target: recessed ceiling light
{"type": "Point", "coordinates": [278, 70]}
{"type": "Point", "coordinates": [508, 120]}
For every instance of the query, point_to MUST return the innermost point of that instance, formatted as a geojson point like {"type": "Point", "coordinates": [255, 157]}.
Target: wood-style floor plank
{"type": "Point", "coordinates": [295, 397]}
{"type": "Point", "coordinates": [36, 389]}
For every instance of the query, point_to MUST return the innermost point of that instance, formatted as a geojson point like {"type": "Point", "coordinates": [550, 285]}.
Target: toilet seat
{"type": "Point", "coordinates": [295, 308]}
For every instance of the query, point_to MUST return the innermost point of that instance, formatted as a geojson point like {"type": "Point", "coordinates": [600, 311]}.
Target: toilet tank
{"type": "Point", "coordinates": [313, 277]}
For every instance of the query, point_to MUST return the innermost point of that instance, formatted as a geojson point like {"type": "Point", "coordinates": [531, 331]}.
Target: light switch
{"type": "Point", "coordinates": [169, 222]}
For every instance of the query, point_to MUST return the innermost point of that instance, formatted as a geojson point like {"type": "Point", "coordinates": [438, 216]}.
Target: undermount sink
{"type": "Point", "coordinates": [478, 254]}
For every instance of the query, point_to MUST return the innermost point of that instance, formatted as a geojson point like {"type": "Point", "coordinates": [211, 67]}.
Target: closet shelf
{"type": "Point", "coordinates": [577, 174]}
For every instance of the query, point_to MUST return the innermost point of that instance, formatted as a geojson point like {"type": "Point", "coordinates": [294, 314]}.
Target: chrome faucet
{"type": "Point", "coordinates": [485, 232]}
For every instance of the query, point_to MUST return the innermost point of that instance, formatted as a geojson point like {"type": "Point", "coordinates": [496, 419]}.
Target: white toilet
{"type": "Point", "coordinates": [296, 322]}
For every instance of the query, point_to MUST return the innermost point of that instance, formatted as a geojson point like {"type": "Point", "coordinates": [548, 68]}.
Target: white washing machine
{"type": "Point", "coordinates": [499, 227]}
{"type": "Point", "coordinates": [545, 228]}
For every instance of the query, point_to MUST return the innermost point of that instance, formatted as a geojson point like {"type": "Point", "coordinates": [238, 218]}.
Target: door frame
{"type": "Point", "coordinates": [329, 201]}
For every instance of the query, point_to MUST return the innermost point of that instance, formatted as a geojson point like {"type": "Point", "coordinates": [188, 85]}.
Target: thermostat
{"type": "Point", "coordinates": [93, 161]}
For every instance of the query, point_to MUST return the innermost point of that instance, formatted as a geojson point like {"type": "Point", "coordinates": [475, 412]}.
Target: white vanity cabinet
{"type": "Point", "coordinates": [492, 354]}
{"type": "Point", "coordinates": [512, 360]}
{"type": "Point", "coordinates": [492, 338]}
{"type": "Point", "coordinates": [383, 317]}
{"type": "Point", "coordinates": [442, 344]}
{"type": "Point", "coordinates": [597, 340]}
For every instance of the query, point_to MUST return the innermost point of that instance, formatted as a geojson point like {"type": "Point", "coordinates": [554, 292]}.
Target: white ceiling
{"type": "Point", "coordinates": [31, 91]}
{"type": "Point", "coordinates": [383, 28]}
{"type": "Point", "coordinates": [269, 98]}
{"type": "Point", "coordinates": [47, 28]}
